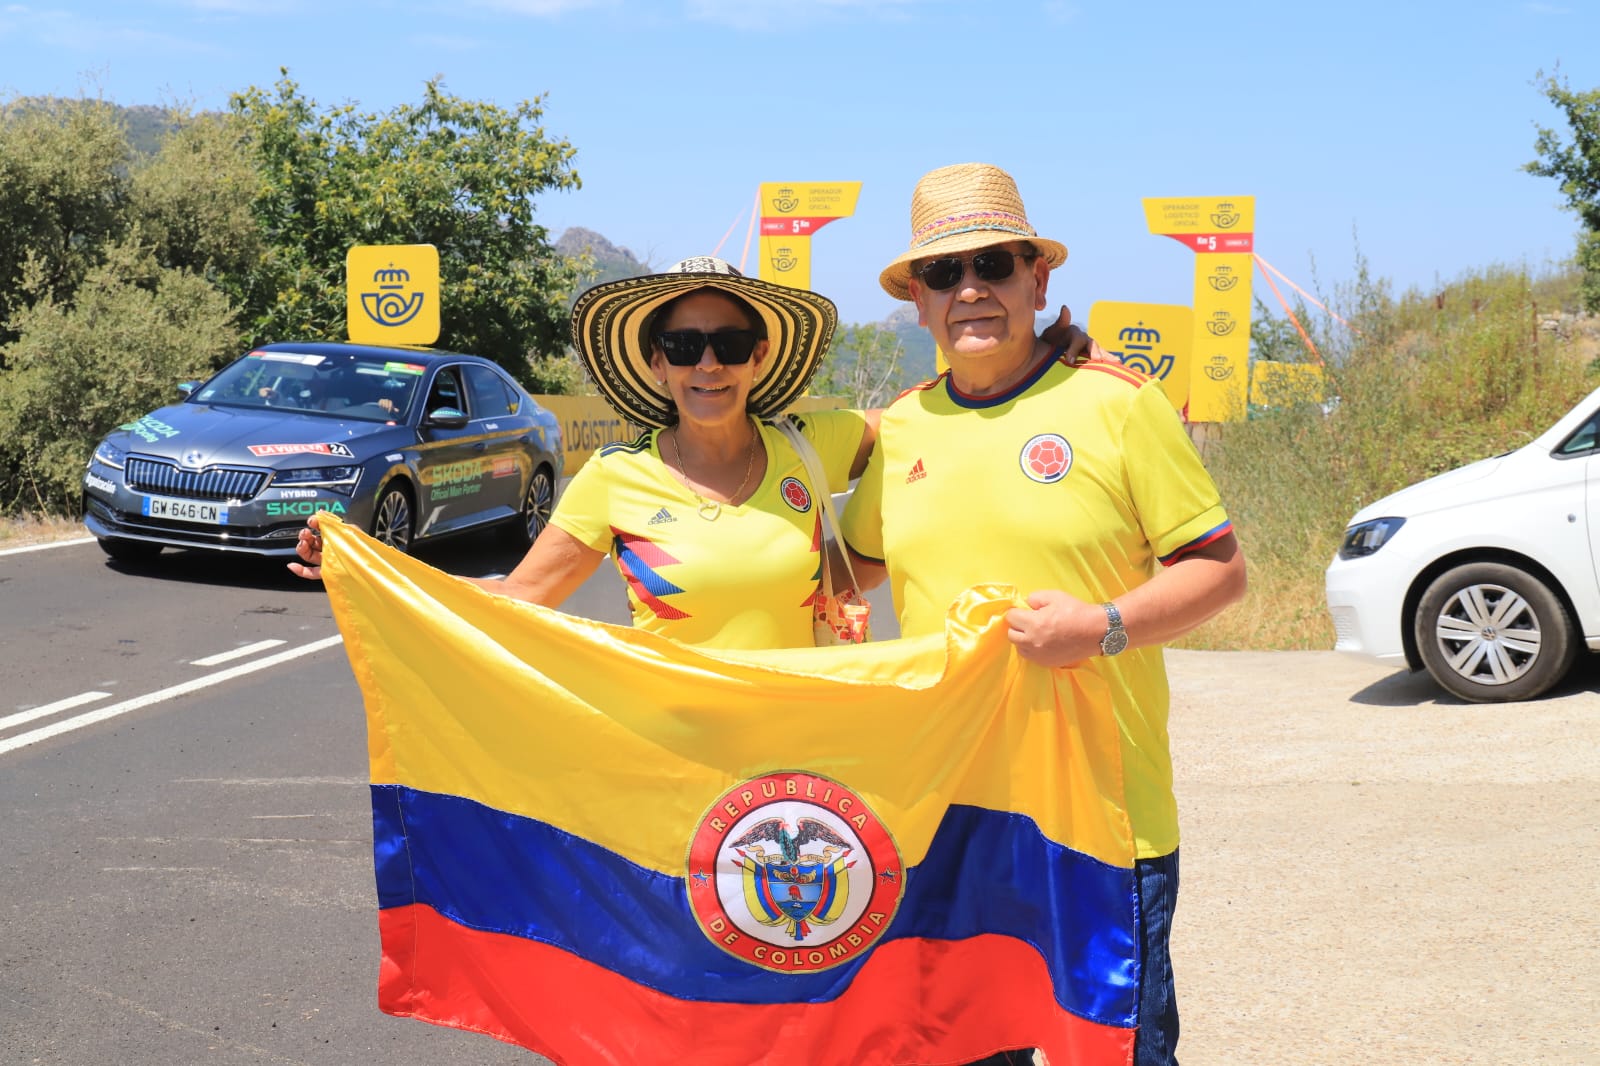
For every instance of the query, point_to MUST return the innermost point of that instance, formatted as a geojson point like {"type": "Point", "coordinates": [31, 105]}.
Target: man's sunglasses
{"type": "Point", "coordinates": [683, 347]}
{"type": "Point", "coordinates": [991, 264]}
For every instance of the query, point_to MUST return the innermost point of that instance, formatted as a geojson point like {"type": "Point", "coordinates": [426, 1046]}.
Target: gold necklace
{"type": "Point", "coordinates": [710, 509]}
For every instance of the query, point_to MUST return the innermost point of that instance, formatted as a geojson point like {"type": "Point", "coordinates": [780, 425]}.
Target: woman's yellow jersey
{"type": "Point", "coordinates": [743, 580]}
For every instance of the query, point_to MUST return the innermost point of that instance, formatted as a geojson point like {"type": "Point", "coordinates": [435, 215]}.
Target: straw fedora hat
{"type": "Point", "coordinates": [959, 208]}
{"type": "Point", "coordinates": [611, 329]}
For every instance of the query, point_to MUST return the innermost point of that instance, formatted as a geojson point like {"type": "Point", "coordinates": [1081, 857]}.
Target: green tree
{"type": "Point", "coordinates": [63, 194]}
{"type": "Point", "coordinates": [862, 365]}
{"type": "Point", "coordinates": [78, 367]}
{"type": "Point", "coordinates": [1275, 339]}
{"type": "Point", "coordinates": [460, 175]}
{"type": "Point", "coordinates": [1576, 165]}
{"type": "Point", "coordinates": [191, 198]}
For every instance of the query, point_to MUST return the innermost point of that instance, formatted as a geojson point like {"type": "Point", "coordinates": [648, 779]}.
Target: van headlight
{"type": "Point", "coordinates": [1367, 537]}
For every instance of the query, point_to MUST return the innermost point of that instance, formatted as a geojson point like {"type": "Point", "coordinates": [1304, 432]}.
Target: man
{"type": "Point", "coordinates": [1077, 485]}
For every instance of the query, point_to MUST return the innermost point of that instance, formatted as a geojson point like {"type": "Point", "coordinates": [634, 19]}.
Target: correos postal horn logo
{"type": "Point", "coordinates": [793, 872]}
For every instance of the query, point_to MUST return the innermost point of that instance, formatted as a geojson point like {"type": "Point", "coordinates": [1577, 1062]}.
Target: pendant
{"type": "Point", "coordinates": [710, 509]}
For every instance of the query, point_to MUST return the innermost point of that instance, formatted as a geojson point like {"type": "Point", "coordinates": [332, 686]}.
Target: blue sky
{"type": "Point", "coordinates": [1399, 127]}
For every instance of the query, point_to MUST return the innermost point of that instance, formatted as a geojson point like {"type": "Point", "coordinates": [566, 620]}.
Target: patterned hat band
{"type": "Point", "coordinates": [989, 220]}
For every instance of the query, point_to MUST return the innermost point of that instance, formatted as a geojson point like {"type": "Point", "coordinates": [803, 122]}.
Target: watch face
{"type": "Point", "coordinates": [1114, 642]}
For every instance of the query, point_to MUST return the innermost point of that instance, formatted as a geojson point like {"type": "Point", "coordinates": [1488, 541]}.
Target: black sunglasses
{"type": "Point", "coordinates": [683, 347]}
{"type": "Point", "coordinates": [991, 264]}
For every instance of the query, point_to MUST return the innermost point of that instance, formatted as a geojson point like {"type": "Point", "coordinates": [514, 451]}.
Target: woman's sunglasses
{"type": "Point", "coordinates": [991, 264]}
{"type": "Point", "coordinates": [683, 347]}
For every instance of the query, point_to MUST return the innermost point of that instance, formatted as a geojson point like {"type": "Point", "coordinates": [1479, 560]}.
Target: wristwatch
{"type": "Point", "coordinates": [1116, 638]}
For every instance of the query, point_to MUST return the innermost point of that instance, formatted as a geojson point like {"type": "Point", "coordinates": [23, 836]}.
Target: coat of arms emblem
{"type": "Point", "coordinates": [793, 872]}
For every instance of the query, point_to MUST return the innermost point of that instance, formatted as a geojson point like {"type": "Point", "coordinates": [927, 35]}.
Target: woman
{"type": "Point", "coordinates": [709, 515]}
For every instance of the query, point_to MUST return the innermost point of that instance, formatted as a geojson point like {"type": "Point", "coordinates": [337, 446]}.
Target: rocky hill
{"type": "Point", "coordinates": [610, 261]}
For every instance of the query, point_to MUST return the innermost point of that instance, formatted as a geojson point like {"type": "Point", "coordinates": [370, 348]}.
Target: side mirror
{"type": "Point", "coordinates": [186, 389]}
{"type": "Point", "coordinates": [446, 418]}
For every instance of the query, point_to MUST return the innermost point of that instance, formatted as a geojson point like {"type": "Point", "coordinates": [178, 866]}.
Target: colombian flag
{"type": "Point", "coordinates": [611, 848]}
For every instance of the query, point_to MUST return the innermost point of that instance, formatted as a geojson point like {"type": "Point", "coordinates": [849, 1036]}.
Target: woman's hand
{"type": "Point", "coordinates": [309, 548]}
{"type": "Point", "coordinates": [1080, 347]}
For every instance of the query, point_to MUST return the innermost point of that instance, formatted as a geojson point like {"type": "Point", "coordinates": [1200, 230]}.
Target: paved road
{"type": "Point", "coordinates": [190, 880]}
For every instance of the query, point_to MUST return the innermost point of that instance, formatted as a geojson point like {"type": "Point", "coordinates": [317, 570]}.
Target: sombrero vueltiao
{"type": "Point", "coordinates": [959, 208]}
{"type": "Point", "coordinates": [610, 324]}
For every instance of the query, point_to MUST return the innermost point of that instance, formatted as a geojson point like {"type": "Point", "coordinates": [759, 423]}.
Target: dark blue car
{"type": "Point", "coordinates": [405, 443]}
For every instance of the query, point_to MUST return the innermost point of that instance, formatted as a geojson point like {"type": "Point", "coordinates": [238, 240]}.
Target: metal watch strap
{"type": "Point", "coordinates": [1116, 638]}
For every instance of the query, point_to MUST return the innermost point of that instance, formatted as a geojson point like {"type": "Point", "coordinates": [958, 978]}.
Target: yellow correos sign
{"type": "Point", "coordinates": [392, 293]}
{"type": "Point", "coordinates": [1156, 339]}
{"type": "Point", "coordinates": [1221, 233]}
{"type": "Point", "coordinates": [791, 211]}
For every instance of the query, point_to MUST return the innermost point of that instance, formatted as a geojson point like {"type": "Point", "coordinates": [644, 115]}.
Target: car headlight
{"type": "Point", "coordinates": [340, 479]}
{"type": "Point", "coordinates": [109, 454]}
{"type": "Point", "coordinates": [1367, 537]}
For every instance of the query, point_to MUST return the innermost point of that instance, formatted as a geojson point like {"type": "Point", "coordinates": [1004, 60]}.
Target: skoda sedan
{"type": "Point", "coordinates": [1485, 576]}
{"type": "Point", "coordinates": [408, 444]}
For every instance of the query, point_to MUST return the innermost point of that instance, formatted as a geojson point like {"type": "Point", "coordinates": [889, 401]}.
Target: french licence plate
{"type": "Point", "coordinates": [185, 510]}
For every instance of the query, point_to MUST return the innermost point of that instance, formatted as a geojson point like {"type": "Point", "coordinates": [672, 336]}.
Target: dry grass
{"type": "Point", "coordinates": [1430, 383]}
{"type": "Point", "coordinates": [32, 529]}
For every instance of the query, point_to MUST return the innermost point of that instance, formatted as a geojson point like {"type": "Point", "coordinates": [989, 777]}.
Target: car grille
{"type": "Point", "coordinates": [213, 483]}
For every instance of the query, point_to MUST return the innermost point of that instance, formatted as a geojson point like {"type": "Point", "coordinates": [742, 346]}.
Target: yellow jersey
{"type": "Point", "coordinates": [743, 580]}
{"type": "Point", "coordinates": [1082, 480]}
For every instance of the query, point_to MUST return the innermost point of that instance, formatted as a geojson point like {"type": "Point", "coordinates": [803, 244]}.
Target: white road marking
{"type": "Point", "coordinates": [106, 713]}
{"type": "Point", "coordinates": [48, 709]}
{"type": "Point", "coordinates": [47, 544]}
{"type": "Point", "coordinates": [237, 653]}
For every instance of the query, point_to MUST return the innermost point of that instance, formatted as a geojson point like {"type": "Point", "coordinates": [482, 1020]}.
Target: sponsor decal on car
{"type": "Point", "coordinates": [149, 429]}
{"type": "Point", "coordinates": [453, 473]}
{"type": "Point", "coordinates": [98, 483]}
{"type": "Point", "coordinates": [504, 468]}
{"type": "Point", "coordinates": [289, 357]}
{"type": "Point", "coordinates": [295, 449]}
{"type": "Point", "coordinates": [404, 368]}
{"type": "Point", "coordinates": [297, 508]}
{"type": "Point", "coordinates": [297, 494]}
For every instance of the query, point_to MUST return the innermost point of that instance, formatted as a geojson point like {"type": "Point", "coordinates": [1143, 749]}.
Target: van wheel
{"type": "Point", "coordinates": [1491, 633]}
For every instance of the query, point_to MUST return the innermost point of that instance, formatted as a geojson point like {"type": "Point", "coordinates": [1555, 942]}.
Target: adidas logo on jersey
{"type": "Point", "coordinates": [661, 516]}
{"type": "Point", "coordinates": [917, 473]}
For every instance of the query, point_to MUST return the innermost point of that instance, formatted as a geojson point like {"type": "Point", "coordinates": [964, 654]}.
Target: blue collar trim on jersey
{"type": "Point", "coordinates": [961, 399]}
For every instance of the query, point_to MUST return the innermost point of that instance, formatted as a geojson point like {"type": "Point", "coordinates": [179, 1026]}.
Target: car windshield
{"type": "Point", "coordinates": [345, 385]}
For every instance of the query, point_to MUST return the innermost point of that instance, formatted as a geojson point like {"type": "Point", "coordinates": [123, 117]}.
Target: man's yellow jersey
{"type": "Point", "coordinates": [1082, 480]}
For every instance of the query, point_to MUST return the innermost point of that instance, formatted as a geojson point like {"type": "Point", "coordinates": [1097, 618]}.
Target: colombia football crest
{"type": "Point", "coordinates": [793, 872]}
{"type": "Point", "coordinates": [795, 494]}
{"type": "Point", "coordinates": [1046, 458]}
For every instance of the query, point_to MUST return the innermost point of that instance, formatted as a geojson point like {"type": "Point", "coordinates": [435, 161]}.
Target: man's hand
{"type": "Point", "coordinates": [1080, 347]}
{"type": "Point", "coordinates": [1056, 629]}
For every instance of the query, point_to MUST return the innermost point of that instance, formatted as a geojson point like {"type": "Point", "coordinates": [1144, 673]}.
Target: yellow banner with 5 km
{"type": "Point", "coordinates": [791, 211]}
{"type": "Point", "coordinates": [1221, 233]}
